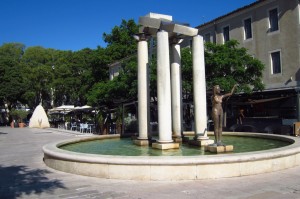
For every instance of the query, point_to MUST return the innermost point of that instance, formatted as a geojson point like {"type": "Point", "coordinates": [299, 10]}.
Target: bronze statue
{"type": "Point", "coordinates": [217, 112]}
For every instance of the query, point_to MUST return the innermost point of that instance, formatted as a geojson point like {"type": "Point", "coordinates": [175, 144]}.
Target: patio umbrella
{"type": "Point", "coordinates": [84, 108]}
{"type": "Point", "coordinates": [61, 110]}
{"type": "Point", "coordinates": [64, 109]}
{"type": "Point", "coordinates": [80, 110]}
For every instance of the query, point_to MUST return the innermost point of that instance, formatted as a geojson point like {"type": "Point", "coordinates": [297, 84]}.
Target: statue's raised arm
{"type": "Point", "coordinates": [232, 91]}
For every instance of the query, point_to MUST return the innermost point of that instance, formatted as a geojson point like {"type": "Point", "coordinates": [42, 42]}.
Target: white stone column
{"type": "Point", "coordinates": [143, 119]}
{"type": "Point", "coordinates": [176, 90]}
{"type": "Point", "coordinates": [163, 88]}
{"type": "Point", "coordinates": [199, 88]}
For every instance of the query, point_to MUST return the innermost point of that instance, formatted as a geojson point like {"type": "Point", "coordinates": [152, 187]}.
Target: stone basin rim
{"type": "Point", "coordinates": [52, 150]}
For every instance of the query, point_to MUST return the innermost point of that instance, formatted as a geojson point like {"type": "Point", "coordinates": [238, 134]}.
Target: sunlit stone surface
{"type": "Point", "coordinates": [39, 118]}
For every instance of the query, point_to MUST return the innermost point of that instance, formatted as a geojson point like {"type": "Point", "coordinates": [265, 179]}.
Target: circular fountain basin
{"type": "Point", "coordinates": [125, 147]}
{"type": "Point", "coordinates": [193, 167]}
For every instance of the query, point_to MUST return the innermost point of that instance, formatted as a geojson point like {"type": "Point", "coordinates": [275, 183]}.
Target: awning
{"type": "Point", "coordinates": [84, 108]}
{"type": "Point", "coordinates": [250, 101]}
{"type": "Point", "coordinates": [64, 109]}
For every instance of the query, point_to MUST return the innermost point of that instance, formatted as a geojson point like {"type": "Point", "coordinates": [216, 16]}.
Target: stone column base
{"type": "Point", "coordinates": [177, 139]}
{"type": "Point", "coordinates": [141, 142]}
{"type": "Point", "coordinates": [163, 146]}
{"type": "Point", "coordinates": [201, 142]}
{"type": "Point", "coordinates": [219, 149]}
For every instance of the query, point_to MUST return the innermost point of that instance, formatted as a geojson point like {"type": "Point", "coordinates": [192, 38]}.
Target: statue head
{"type": "Point", "coordinates": [216, 90]}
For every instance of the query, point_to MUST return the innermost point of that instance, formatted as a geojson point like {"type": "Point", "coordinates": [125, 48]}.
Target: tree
{"type": "Point", "coordinates": [120, 42]}
{"type": "Point", "coordinates": [37, 63]}
{"type": "Point", "coordinates": [125, 84]}
{"type": "Point", "coordinates": [187, 73]}
{"type": "Point", "coordinates": [121, 88]}
{"type": "Point", "coordinates": [121, 45]}
{"type": "Point", "coordinates": [227, 64]}
{"type": "Point", "coordinates": [99, 65]}
{"type": "Point", "coordinates": [11, 79]}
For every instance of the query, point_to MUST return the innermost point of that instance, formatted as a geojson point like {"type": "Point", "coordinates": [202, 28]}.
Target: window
{"type": "Point", "coordinates": [207, 37]}
{"type": "Point", "coordinates": [226, 34]}
{"type": "Point", "coordinates": [276, 62]}
{"type": "Point", "coordinates": [273, 19]}
{"type": "Point", "coordinates": [248, 28]}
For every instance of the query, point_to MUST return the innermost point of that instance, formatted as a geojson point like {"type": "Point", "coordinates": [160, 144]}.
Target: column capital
{"type": "Point", "coordinates": [141, 36]}
{"type": "Point", "coordinates": [197, 36]}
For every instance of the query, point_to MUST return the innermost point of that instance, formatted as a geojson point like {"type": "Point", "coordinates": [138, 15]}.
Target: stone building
{"type": "Point", "coordinates": [270, 30]}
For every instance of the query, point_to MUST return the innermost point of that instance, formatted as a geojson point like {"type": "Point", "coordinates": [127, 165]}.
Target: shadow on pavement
{"type": "Point", "coordinates": [16, 181]}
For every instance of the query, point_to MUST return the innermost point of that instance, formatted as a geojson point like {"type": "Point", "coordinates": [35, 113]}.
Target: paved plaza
{"type": "Point", "coordinates": [24, 175]}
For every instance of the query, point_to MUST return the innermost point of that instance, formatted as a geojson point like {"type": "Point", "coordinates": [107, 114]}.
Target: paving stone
{"type": "Point", "coordinates": [23, 174]}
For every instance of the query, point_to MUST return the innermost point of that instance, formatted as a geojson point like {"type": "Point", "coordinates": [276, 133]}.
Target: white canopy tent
{"type": "Point", "coordinates": [84, 108]}
{"type": "Point", "coordinates": [64, 109]}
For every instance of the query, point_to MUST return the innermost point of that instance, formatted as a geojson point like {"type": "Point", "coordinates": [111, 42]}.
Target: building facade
{"type": "Point", "coordinates": [270, 30]}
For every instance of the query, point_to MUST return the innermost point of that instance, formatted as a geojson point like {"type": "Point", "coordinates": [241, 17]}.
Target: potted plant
{"type": "Point", "coordinates": [19, 116]}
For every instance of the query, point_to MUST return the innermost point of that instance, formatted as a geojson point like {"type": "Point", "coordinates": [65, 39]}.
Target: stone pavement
{"type": "Point", "coordinates": [24, 175]}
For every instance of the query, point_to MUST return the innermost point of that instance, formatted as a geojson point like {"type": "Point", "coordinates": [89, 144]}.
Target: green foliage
{"type": "Point", "coordinates": [41, 75]}
{"type": "Point", "coordinates": [20, 115]}
{"type": "Point", "coordinates": [100, 118]}
{"type": "Point", "coordinates": [187, 73]}
{"type": "Point", "coordinates": [227, 65]}
{"type": "Point", "coordinates": [120, 41]}
{"type": "Point", "coordinates": [121, 45]}
{"type": "Point", "coordinates": [122, 87]}
{"type": "Point", "coordinates": [11, 79]}
{"type": "Point", "coordinates": [126, 82]}
{"type": "Point", "coordinates": [119, 115]}
{"type": "Point", "coordinates": [99, 94]}
{"type": "Point", "coordinates": [37, 63]}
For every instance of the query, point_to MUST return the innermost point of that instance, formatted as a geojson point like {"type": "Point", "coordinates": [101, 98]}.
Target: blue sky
{"type": "Point", "coordinates": [77, 24]}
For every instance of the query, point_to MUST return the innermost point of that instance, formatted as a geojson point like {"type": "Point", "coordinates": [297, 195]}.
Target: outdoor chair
{"type": "Point", "coordinates": [83, 127]}
{"type": "Point", "coordinates": [89, 128]}
{"type": "Point", "coordinates": [73, 126]}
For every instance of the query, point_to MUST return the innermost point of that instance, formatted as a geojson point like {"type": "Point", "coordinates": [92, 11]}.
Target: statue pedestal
{"type": "Point", "coordinates": [177, 139]}
{"type": "Point", "coordinates": [219, 149]}
{"type": "Point", "coordinates": [204, 142]}
{"type": "Point", "coordinates": [163, 146]}
{"type": "Point", "coordinates": [141, 142]}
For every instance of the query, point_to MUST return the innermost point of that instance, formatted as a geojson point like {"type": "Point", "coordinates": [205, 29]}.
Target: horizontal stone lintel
{"type": "Point", "coordinates": [152, 25]}
{"type": "Point", "coordinates": [179, 29]}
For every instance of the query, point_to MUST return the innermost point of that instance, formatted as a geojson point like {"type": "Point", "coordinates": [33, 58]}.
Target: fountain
{"type": "Point", "coordinates": [123, 147]}
{"type": "Point", "coordinates": [192, 167]}
{"type": "Point", "coordinates": [155, 168]}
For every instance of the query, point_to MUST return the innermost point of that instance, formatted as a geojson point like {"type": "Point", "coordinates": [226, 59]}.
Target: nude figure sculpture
{"type": "Point", "coordinates": [217, 113]}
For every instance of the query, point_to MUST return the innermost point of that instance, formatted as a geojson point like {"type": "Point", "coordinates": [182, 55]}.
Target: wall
{"type": "Point", "coordinates": [263, 42]}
